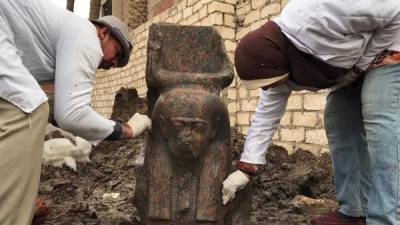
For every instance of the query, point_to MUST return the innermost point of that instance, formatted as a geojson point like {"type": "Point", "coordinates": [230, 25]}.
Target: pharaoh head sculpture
{"type": "Point", "coordinates": [188, 119]}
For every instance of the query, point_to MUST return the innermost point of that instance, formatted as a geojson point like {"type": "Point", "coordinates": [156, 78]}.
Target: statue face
{"type": "Point", "coordinates": [187, 137]}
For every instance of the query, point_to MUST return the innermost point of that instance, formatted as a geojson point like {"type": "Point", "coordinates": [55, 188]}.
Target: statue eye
{"type": "Point", "coordinates": [179, 124]}
{"type": "Point", "coordinates": [200, 127]}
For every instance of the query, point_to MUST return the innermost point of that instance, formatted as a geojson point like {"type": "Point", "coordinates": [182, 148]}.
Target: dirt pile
{"type": "Point", "coordinates": [289, 190]}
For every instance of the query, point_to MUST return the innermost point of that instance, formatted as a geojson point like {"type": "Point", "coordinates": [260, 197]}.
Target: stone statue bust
{"type": "Point", "coordinates": [188, 151]}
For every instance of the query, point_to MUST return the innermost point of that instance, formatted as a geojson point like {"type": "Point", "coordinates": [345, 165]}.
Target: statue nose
{"type": "Point", "coordinates": [186, 136]}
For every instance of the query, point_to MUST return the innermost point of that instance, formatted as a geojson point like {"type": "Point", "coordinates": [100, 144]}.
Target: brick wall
{"type": "Point", "coordinates": [120, 9]}
{"type": "Point", "coordinates": [187, 12]}
{"type": "Point", "coordinates": [156, 7]}
{"type": "Point", "coordinates": [137, 13]}
{"type": "Point", "coordinates": [302, 124]}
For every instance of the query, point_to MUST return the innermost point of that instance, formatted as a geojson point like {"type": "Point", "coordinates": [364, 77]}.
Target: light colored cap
{"type": "Point", "coordinates": [259, 83]}
{"type": "Point", "coordinates": [121, 33]}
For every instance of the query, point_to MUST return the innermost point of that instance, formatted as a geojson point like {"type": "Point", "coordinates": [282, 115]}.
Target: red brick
{"type": "Point", "coordinates": [162, 6]}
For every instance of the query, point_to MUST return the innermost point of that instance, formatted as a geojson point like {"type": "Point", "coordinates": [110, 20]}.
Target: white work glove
{"type": "Point", "coordinates": [58, 151]}
{"type": "Point", "coordinates": [139, 123]}
{"type": "Point", "coordinates": [234, 182]}
{"type": "Point", "coordinates": [55, 132]}
{"type": "Point", "coordinates": [83, 150]}
{"type": "Point", "coordinates": [64, 148]}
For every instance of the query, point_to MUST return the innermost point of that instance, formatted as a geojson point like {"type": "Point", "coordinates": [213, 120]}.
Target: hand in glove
{"type": "Point", "coordinates": [84, 148]}
{"type": "Point", "coordinates": [234, 182]}
{"type": "Point", "coordinates": [62, 147]}
{"type": "Point", "coordinates": [139, 123]}
{"type": "Point", "coordinates": [55, 132]}
{"type": "Point", "coordinates": [58, 151]}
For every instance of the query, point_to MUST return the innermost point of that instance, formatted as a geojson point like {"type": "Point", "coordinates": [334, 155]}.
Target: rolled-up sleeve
{"type": "Point", "coordinates": [77, 61]}
{"type": "Point", "coordinates": [269, 111]}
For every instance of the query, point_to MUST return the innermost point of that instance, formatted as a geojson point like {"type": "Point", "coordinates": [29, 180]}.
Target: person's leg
{"type": "Point", "coordinates": [21, 146]}
{"type": "Point", "coordinates": [346, 138]}
{"type": "Point", "coordinates": [381, 112]}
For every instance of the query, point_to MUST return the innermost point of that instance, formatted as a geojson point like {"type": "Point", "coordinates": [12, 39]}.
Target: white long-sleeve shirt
{"type": "Point", "coordinates": [342, 33]}
{"type": "Point", "coordinates": [270, 109]}
{"type": "Point", "coordinates": [40, 42]}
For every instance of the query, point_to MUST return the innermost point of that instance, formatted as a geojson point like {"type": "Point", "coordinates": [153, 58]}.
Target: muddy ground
{"type": "Point", "coordinates": [289, 190]}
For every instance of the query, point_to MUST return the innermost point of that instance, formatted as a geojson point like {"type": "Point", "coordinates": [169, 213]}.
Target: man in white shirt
{"type": "Point", "coordinates": [332, 44]}
{"type": "Point", "coordinates": [41, 43]}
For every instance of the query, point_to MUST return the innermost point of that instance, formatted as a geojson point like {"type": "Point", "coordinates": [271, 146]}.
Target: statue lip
{"type": "Point", "coordinates": [186, 155]}
{"type": "Point", "coordinates": [186, 162]}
